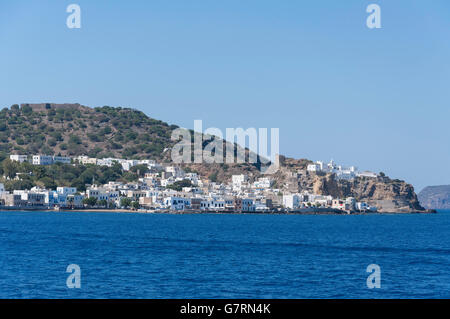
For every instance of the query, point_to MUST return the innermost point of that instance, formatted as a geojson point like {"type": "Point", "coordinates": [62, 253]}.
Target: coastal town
{"type": "Point", "coordinates": [168, 188]}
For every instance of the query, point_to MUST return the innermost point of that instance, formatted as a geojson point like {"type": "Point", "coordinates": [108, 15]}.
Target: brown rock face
{"type": "Point", "coordinates": [326, 185]}
{"type": "Point", "coordinates": [386, 194]}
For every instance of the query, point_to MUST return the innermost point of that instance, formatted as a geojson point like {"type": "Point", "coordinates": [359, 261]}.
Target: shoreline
{"type": "Point", "coordinates": [200, 212]}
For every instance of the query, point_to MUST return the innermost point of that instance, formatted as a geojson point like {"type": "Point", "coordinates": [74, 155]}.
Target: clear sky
{"type": "Point", "coordinates": [375, 98]}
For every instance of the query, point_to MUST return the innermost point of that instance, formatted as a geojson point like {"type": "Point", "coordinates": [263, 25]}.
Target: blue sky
{"type": "Point", "coordinates": [374, 98]}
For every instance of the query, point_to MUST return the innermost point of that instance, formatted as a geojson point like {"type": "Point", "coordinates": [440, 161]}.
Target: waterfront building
{"type": "Point", "coordinates": [74, 201]}
{"type": "Point", "coordinates": [32, 198]}
{"type": "Point", "coordinates": [146, 202]}
{"type": "Point", "coordinates": [13, 200]}
{"type": "Point", "coordinates": [362, 206]}
{"type": "Point", "coordinates": [102, 194]}
{"type": "Point", "coordinates": [351, 202]}
{"type": "Point", "coordinates": [66, 190]}
{"type": "Point", "coordinates": [247, 205]}
{"type": "Point", "coordinates": [177, 203]}
{"type": "Point", "coordinates": [135, 194]}
{"type": "Point", "coordinates": [196, 203]}
{"type": "Point", "coordinates": [261, 207]}
{"type": "Point", "coordinates": [291, 201]}
{"type": "Point", "coordinates": [340, 204]}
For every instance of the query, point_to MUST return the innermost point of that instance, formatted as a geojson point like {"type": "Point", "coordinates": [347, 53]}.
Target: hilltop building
{"type": "Point", "coordinates": [18, 158]}
{"type": "Point", "coordinates": [340, 171]}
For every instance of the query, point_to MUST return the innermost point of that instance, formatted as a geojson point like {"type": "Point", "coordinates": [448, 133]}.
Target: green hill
{"type": "Point", "coordinates": [73, 129]}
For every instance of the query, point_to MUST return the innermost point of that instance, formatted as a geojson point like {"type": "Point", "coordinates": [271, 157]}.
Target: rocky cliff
{"type": "Point", "coordinates": [386, 194]}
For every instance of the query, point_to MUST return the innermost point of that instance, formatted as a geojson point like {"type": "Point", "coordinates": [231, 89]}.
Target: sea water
{"type": "Point", "coordinates": [131, 255]}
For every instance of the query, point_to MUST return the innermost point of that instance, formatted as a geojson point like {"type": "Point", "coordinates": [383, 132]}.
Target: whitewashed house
{"type": "Point", "coordinates": [66, 190]}
{"type": "Point", "coordinates": [42, 160]}
{"type": "Point", "coordinates": [313, 168]}
{"type": "Point", "coordinates": [247, 205]}
{"type": "Point", "coordinates": [177, 203]}
{"type": "Point", "coordinates": [367, 174]}
{"type": "Point", "coordinates": [263, 183]}
{"type": "Point", "coordinates": [291, 201]}
{"type": "Point", "coordinates": [18, 158]}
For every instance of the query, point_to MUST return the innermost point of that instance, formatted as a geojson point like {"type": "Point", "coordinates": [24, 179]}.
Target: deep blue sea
{"type": "Point", "coordinates": [125, 255]}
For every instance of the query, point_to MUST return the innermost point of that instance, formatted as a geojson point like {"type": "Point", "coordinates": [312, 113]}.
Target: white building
{"type": "Point", "coordinates": [128, 164]}
{"type": "Point", "coordinates": [177, 203]}
{"type": "Point", "coordinates": [193, 177]}
{"type": "Point", "coordinates": [66, 190]}
{"type": "Point", "coordinates": [340, 171]}
{"type": "Point", "coordinates": [367, 174]}
{"type": "Point", "coordinates": [212, 204]}
{"type": "Point", "coordinates": [362, 206]}
{"type": "Point", "coordinates": [150, 163]}
{"type": "Point", "coordinates": [18, 158]}
{"type": "Point", "coordinates": [83, 159]}
{"type": "Point", "coordinates": [260, 207]}
{"type": "Point", "coordinates": [33, 197]}
{"type": "Point", "coordinates": [53, 198]}
{"type": "Point", "coordinates": [351, 202]}
{"type": "Point", "coordinates": [49, 160]}
{"type": "Point", "coordinates": [175, 171]}
{"type": "Point", "coordinates": [313, 168]}
{"type": "Point", "coordinates": [74, 200]}
{"type": "Point", "coordinates": [247, 205]}
{"type": "Point", "coordinates": [239, 179]}
{"type": "Point", "coordinates": [291, 201]}
{"type": "Point", "coordinates": [107, 161]}
{"type": "Point", "coordinates": [61, 159]}
{"type": "Point", "coordinates": [2, 188]}
{"type": "Point", "coordinates": [99, 193]}
{"type": "Point", "coordinates": [263, 182]}
{"type": "Point", "coordinates": [42, 160]}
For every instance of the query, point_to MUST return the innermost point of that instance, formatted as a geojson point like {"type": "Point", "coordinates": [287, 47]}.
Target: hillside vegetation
{"type": "Point", "coordinates": [25, 175]}
{"type": "Point", "coordinates": [72, 129]}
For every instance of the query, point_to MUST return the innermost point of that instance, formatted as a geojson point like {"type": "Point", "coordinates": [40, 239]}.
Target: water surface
{"type": "Point", "coordinates": [125, 255]}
